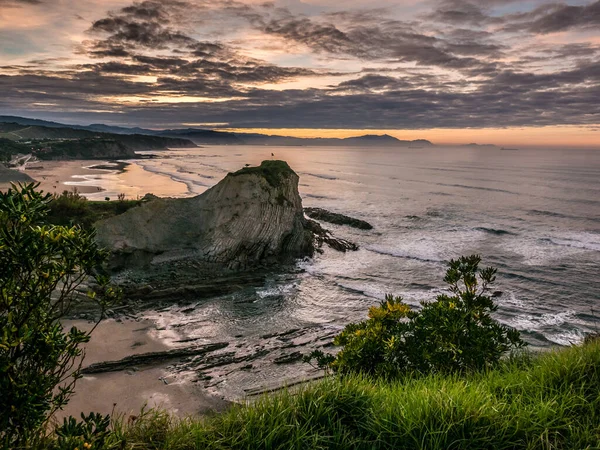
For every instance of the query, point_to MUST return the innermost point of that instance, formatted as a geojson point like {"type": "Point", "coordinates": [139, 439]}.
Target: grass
{"type": "Point", "coordinates": [70, 208]}
{"type": "Point", "coordinates": [271, 170]}
{"type": "Point", "coordinates": [546, 401]}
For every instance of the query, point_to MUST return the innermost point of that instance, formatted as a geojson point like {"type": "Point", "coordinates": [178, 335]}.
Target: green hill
{"type": "Point", "coordinates": [71, 143]}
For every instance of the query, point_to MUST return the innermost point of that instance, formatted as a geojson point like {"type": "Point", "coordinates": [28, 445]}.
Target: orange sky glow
{"type": "Point", "coordinates": [556, 136]}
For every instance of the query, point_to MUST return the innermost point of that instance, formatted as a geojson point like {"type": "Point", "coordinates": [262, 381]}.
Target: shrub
{"type": "Point", "coordinates": [41, 267]}
{"type": "Point", "coordinates": [72, 208]}
{"type": "Point", "coordinates": [68, 208]}
{"type": "Point", "coordinates": [455, 333]}
{"type": "Point", "coordinates": [91, 433]}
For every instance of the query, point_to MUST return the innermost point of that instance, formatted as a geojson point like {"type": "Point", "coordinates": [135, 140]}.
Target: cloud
{"type": "Point", "coordinates": [566, 17]}
{"type": "Point", "coordinates": [452, 63]}
{"type": "Point", "coordinates": [460, 12]}
{"type": "Point", "coordinates": [372, 38]}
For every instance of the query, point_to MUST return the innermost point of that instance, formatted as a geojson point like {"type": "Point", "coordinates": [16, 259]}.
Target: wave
{"type": "Point", "coordinates": [566, 338]}
{"type": "Point", "coordinates": [190, 183]}
{"type": "Point", "coordinates": [402, 254]}
{"type": "Point", "coordinates": [538, 212]}
{"type": "Point", "coordinates": [553, 248]}
{"type": "Point", "coordinates": [324, 177]}
{"type": "Point", "coordinates": [496, 231]}
{"type": "Point", "coordinates": [585, 241]}
{"type": "Point", "coordinates": [530, 322]}
{"type": "Point", "coordinates": [480, 188]}
{"type": "Point", "coordinates": [320, 197]}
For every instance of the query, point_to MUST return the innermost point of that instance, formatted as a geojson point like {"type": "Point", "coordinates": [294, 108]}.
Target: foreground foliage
{"type": "Point", "coordinates": [548, 401]}
{"type": "Point", "coordinates": [41, 269]}
{"type": "Point", "coordinates": [454, 333]}
{"type": "Point", "coordinates": [71, 208]}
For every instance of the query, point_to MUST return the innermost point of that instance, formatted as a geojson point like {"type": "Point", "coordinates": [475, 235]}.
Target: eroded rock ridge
{"type": "Point", "coordinates": [253, 216]}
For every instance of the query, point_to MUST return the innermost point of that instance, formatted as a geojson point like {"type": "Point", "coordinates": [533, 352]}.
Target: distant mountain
{"type": "Point", "coordinates": [42, 123]}
{"type": "Point", "coordinates": [97, 127]}
{"type": "Point", "coordinates": [207, 137]}
{"type": "Point", "coordinates": [118, 130]}
{"type": "Point", "coordinates": [362, 141]}
{"type": "Point", "coordinates": [202, 136]}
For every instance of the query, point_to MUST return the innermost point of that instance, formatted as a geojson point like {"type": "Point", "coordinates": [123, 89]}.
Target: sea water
{"type": "Point", "coordinates": [532, 213]}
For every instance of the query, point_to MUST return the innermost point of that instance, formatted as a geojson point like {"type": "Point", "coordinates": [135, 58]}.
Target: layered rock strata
{"type": "Point", "coordinates": [252, 217]}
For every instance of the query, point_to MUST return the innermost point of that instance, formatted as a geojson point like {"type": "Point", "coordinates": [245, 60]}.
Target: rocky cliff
{"type": "Point", "coordinates": [253, 216]}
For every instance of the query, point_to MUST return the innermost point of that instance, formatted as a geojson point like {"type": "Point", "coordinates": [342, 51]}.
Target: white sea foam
{"type": "Point", "coordinates": [552, 246]}
{"type": "Point", "coordinates": [566, 337]}
{"type": "Point", "coordinates": [438, 246]}
{"type": "Point", "coordinates": [531, 322]}
{"type": "Point", "coordinates": [582, 240]}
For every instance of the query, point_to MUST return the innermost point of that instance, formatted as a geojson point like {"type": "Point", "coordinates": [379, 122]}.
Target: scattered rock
{"type": "Point", "coordinates": [323, 236]}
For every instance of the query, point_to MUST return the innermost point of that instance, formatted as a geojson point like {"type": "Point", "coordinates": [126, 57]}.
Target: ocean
{"type": "Point", "coordinates": [532, 214]}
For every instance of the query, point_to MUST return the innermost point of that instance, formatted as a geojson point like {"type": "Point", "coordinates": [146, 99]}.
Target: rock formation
{"type": "Point", "coordinates": [252, 217]}
{"type": "Point", "coordinates": [337, 219]}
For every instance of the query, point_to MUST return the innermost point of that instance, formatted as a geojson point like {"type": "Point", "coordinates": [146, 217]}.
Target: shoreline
{"type": "Point", "coordinates": [98, 179]}
{"type": "Point", "coordinates": [127, 392]}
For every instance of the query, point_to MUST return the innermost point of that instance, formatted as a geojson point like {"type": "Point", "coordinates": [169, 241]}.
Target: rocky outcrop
{"type": "Point", "coordinates": [337, 219]}
{"type": "Point", "coordinates": [252, 217]}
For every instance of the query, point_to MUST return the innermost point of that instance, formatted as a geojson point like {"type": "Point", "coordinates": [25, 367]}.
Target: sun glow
{"type": "Point", "coordinates": [555, 136]}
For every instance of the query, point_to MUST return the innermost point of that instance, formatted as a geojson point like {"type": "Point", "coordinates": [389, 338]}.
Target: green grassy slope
{"type": "Point", "coordinates": [549, 401]}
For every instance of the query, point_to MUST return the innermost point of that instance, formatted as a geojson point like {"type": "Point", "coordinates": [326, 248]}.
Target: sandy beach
{"type": "Point", "coordinates": [126, 392]}
{"type": "Point", "coordinates": [100, 179]}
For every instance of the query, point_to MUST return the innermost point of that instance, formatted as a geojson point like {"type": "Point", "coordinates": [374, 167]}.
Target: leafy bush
{"type": "Point", "coordinates": [41, 268]}
{"type": "Point", "coordinates": [91, 433]}
{"type": "Point", "coordinates": [455, 333]}
{"type": "Point", "coordinates": [71, 208]}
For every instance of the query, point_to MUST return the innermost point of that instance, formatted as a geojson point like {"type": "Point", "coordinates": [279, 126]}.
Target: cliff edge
{"type": "Point", "coordinates": [253, 216]}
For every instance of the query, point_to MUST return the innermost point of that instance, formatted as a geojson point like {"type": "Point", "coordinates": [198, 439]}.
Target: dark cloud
{"type": "Point", "coordinates": [372, 38]}
{"type": "Point", "coordinates": [460, 12]}
{"type": "Point", "coordinates": [108, 51]}
{"type": "Point", "coordinates": [132, 33]}
{"type": "Point", "coordinates": [566, 17]}
{"type": "Point", "coordinates": [115, 67]}
{"type": "Point", "coordinates": [373, 82]}
{"type": "Point", "coordinates": [371, 101]}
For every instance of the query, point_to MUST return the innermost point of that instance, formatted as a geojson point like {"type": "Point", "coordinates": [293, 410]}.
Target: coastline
{"type": "Point", "coordinates": [127, 392]}
{"type": "Point", "coordinates": [97, 180]}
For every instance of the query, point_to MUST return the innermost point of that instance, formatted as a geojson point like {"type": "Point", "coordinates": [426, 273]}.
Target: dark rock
{"type": "Point", "coordinates": [151, 358]}
{"type": "Point", "coordinates": [288, 358]}
{"type": "Point", "coordinates": [323, 236]}
{"type": "Point", "coordinates": [337, 219]}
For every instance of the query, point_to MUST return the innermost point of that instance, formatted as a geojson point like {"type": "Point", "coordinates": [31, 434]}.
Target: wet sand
{"type": "Point", "coordinates": [126, 392]}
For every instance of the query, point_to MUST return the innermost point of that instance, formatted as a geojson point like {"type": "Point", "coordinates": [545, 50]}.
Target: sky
{"type": "Point", "coordinates": [453, 71]}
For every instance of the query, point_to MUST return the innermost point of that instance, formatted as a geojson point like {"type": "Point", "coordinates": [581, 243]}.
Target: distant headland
{"type": "Point", "coordinates": [21, 129]}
